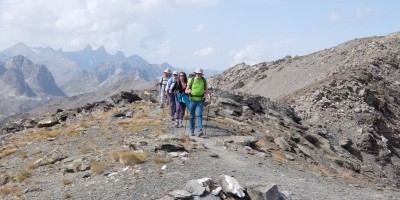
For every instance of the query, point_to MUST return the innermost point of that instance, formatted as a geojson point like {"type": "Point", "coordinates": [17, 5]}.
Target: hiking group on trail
{"type": "Point", "coordinates": [185, 93]}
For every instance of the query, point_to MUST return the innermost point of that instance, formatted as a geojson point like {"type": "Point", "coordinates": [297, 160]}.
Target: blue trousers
{"type": "Point", "coordinates": [196, 109]}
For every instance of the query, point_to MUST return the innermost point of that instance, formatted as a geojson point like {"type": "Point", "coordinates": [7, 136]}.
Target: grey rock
{"type": "Point", "coordinates": [231, 186]}
{"type": "Point", "coordinates": [51, 158]}
{"type": "Point", "coordinates": [265, 193]}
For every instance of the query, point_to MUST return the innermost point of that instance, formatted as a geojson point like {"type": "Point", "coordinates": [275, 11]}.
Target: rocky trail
{"type": "Point", "coordinates": [124, 148]}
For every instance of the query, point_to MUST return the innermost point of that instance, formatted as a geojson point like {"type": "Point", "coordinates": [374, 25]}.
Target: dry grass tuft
{"type": "Point", "coordinates": [321, 170]}
{"type": "Point", "coordinates": [22, 155]}
{"type": "Point", "coordinates": [6, 152]}
{"type": "Point", "coordinates": [98, 167]}
{"type": "Point", "coordinates": [346, 175]}
{"type": "Point", "coordinates": [86, 150]}
{"type": "Point", "coordinates": [65, 182]}
{"type": "Point", "coordinates": [279, 156]}
{"type": "Point", "coordinates": [159, 159]}
{"type": "Point", "coordinates": [67, 196]}
{"type": "Point", "coordinates": [13, 190]}
{"type": "Point", "coordinates": [32, 165]}
{"type": "Point", "coordinates": [138, 124]}
{"type": "Point", "coordinates": [184, 140]}
{"type": "Point", "coordinates": [21, 176]}
{"type": "Point", "coordinates": [132, 158]}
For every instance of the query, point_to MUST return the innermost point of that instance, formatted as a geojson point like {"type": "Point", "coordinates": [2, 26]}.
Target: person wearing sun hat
{"type": "Point", "coordinates": [163, 83]}
{"type": "Point", "coordinates": [197, 88]}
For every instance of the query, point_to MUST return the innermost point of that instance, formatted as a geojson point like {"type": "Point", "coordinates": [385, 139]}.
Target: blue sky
{"type": "Point", "coordinates": [214, 34]}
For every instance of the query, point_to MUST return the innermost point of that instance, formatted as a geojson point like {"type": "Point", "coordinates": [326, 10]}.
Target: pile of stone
{"type": "Point", "coordinates": [226, 187]}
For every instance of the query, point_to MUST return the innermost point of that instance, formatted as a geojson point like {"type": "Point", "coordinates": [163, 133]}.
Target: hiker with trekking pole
{"type": "Point", "coordinates": [163, 83]}
{"type": "Point", "coordinates": [180, 97]}
{"type": "Point", "coordinates": [197, 89]}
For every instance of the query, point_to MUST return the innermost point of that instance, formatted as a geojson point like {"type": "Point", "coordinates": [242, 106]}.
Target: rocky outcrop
{"type": "Point", "coordinates": [226, 187]}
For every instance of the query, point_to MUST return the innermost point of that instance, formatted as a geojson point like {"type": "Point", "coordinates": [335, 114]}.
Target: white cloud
{"type": "Point", "coordinates": [196, 2]}
{"type": "Point", "coordinates": [204, 52]}
{"type": "Point", "coordinates": [250, 54]}
{"type": "Point", "coordinates": [72, 24]}
{"type": "Point", "coordinates": [362, 13]}
{"type": "Point", "coordinates": [334, 16]}
{"type": "Point", "coordinates": [200, 28]}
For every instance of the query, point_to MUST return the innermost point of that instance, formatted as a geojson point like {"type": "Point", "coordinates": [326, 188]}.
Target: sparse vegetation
{"type": "Point", "coordinates": [98, 167]}
{"type": "Point", "coordinates": [86, 150]}
{"type": "Point", "coordinates": [13, 190]}
{"type": "Point", "coordinates": [22, 155]}
{"type": "Point", "coordinates": [159, 159]}
{"type": "Point", "coordinates": [321, 170]}
{"type": "Point", "coordinates": [6, 152]}
{"type": "Point", "coordinates": [185, 141]}
{"type": "Point", "coordinates": [67, 196]}
{"type": "Point", "coordinates": [21, 176]}
{"type": "Point", "coordinates": [32, 165]}
{"type": "Point", "coordinates": [65, 182]}
{"type": "Point", "coordinates": [132, 158]}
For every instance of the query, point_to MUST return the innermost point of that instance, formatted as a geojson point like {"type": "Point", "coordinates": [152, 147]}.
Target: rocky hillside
{"type": "Point", "coordinates": [125, 147]}
{"type": "Point", "coordinates": [347, 95]}
{"type": "Point", "coordinates": [25, 85]}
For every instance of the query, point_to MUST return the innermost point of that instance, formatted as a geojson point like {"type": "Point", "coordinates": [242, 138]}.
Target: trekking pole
{"type": "Point", "coordinates": [208, 112]}
{"type": "Point", "coordinates": [186, 116]}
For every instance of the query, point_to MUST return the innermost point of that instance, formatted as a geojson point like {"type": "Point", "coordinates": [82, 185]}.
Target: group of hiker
{"type": "Point", "coordinates": [181, 92]}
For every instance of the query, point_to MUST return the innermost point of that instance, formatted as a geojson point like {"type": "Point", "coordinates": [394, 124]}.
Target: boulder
{"type": "Point", "coordinates": [265, 193]}
{"type": "Point", "coordinates": [51, 158]}
{"type": "Point", "coordinates": [231, 186]}
{"type": "Point", "coordinates": [48, 122]}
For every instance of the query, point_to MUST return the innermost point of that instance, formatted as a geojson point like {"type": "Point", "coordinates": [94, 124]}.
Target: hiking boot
{"type": "Point", "coordinates": [200, 134]}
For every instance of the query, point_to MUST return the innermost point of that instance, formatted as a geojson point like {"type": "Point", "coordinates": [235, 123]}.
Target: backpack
{"type": "Point", "coordinates": [191, 83]}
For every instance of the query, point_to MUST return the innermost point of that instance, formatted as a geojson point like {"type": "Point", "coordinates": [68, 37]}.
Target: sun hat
{"type": "Point", "coordinates": [167, 70]}
{"type": "Point", "coordinates": [198, 71]}
{"type": "Point", "coordinates": [175, 73]}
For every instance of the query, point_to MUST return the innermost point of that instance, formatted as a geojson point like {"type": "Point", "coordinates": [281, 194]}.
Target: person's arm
{"type": "Point", "coordinates": [208, 93]}
{"type": "Point", "coordinates": [188, 90]}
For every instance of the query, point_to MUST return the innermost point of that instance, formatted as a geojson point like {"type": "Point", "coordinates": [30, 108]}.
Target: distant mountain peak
{"type": "Point", "coordinates": [101, 49]}
{"type": "Point", "coordinates": [19, 60]}
{"type": "Point", "coordinates": [88, 48]}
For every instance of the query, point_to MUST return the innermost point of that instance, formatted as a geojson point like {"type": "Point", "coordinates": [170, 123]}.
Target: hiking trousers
{"type": "Point", "coordinates": [172, 106]}
{"type": "Point", "coordinates": [180, 110]}
{"type": "Point", "coordinates": [162, 96]}
{"type": "Point", "coordinates": [196, 110]}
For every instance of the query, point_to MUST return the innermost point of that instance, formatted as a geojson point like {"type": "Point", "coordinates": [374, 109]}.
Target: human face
{"type": "Point", "coordinates": [198, 75]}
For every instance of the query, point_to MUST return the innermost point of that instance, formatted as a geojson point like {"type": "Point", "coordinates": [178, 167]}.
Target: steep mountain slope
{"type": "Point", "coordinates": [25, 85]}
{"type": "Point", "coordinates": [39, 79]}
{"type": "Point", "coordinates": [347, 95]}
{"type": "Point", "coordinates": [62, 68]}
